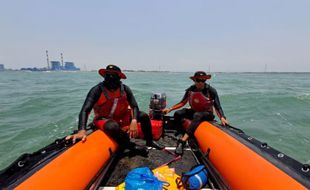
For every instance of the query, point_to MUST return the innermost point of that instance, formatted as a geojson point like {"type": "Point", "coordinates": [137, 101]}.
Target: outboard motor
{"type": "Point", "coordinates": [157, 104]}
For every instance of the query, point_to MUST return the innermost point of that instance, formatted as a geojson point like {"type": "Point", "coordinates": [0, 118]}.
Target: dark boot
{"type": "Point", "coordinates": [155, 145]}
{"type": "Point", "coordinates": [137, 149]}
{"type": "Point", "coordinates": [180, 147]}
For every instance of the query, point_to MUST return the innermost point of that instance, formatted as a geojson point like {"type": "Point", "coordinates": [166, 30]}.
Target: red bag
{"type": "Point", "coordinates": [157, 129]}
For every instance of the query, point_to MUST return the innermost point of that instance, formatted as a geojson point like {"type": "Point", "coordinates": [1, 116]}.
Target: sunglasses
{"type": "Point", "coordinates": [200, 80]}
{"type": "Point", "coordinates": [111, 74]}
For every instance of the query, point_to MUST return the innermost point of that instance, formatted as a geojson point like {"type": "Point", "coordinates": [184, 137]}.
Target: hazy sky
{"type": "Point", "coordinates": [174, 35]}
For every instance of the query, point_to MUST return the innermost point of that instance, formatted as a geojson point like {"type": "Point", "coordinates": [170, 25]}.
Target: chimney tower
{"type": "Point", "coordinates": [62, 60]}
{"type": "Point", "coordinates": [48, 61]}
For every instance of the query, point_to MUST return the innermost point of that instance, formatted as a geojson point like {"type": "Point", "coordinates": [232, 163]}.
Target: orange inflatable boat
{"type": "Point", "coordinates": [233, 160]}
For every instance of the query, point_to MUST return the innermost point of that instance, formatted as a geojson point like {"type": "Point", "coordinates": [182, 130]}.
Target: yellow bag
{"type": "Point", "coordinates": [121, 186]}
{"type": "Point", "coordinates": [167, 174]}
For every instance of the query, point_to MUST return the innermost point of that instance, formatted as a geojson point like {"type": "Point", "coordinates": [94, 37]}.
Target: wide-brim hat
{"type": "Point", "coordinates": [200, 75]}
{"type": "Point", "coordinates": [112, 69]}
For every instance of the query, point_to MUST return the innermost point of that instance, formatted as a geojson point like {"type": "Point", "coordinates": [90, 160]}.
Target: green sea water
{"type": "Point", "coordinates": [38, 107]}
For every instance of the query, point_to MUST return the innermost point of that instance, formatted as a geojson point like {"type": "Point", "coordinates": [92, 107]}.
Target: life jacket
{"type": "Point", "coordinates": [200, 103]}
{"type": "Point", "coordinates": [113, 106]}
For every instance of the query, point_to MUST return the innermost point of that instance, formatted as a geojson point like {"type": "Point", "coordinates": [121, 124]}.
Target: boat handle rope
{"type": "Point", "coordinates": [264, 145]}
{"type": "Point", "coordinates": [170, 152]}
{"type": "Point", "coordinates": [172, 160]}
{"type": "Point", "coordinates": [305, 168]}
{"type": "Point", "coordinates": [235, 128]}
{"type": "Point", "coordinates": [21, 163]}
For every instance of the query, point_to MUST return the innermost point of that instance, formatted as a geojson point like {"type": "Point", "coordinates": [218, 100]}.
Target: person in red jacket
{"type": "Point", "coordinates": [111, 100]}
{"type": "Point", "coordinates": [202, 98]}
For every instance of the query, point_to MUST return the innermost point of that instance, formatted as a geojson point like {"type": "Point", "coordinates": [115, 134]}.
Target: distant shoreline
{"type": "Point", "coordinates": [152, 71]}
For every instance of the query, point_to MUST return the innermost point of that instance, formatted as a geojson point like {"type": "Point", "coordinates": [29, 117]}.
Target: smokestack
{"type": "Point", "coordinates": [48, 61]}
{"type": "Point", "coordinates": [62, 60]}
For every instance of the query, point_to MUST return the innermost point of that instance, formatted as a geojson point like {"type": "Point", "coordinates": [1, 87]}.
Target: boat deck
{"type": "Point", "coordinates": [156, 158]}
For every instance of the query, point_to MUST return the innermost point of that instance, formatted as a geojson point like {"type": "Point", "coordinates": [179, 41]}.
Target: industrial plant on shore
{"type": "Point", "coordinates": [55, 65]}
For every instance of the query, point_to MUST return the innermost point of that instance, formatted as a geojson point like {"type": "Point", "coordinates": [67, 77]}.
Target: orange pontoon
{"type": "Point", "coordinates": [246, 163]}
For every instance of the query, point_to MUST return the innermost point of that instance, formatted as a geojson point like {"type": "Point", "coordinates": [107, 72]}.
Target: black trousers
{"type": "Point", "coordinates": [113, 129]}
{"type": "Point", "coordinates": [196, 117]}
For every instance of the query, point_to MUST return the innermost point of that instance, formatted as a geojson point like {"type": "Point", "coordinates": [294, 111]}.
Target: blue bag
{"type": "Point", "coordinates": [142, 178]}
{"type": "Point", "coordinates": [196, 178]}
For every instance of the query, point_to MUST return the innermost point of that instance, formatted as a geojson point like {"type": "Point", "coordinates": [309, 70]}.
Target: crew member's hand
{"type": "Point", "coordinates": [133, 130]}
{"type": "Point", "coordinates": [81, 134]}
{"type": "Point", "coordinates": [166, 110]}
{"type": "Point", "coordinates": [224, 121]}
